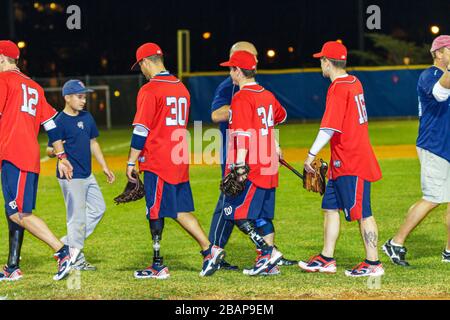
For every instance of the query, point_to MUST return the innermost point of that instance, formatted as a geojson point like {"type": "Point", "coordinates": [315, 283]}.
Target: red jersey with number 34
{"type": "Point", "coordinates": [23, 108]}
{"type": "Point", "coordinates": [254, 113]}
{"type": "Point", "coordinates": [345, 113]}
{"type": "Point", "coordinates": [163, 109]}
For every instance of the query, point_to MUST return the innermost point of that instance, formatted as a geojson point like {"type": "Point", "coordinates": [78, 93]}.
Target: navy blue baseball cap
{"type": "Point", "coordinates": [74, 87]}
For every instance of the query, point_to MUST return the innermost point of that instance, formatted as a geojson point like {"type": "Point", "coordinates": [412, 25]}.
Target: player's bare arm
{"type": "Point", "coordinates": [445, 79]}
{"type": "Point", "coordinates": [221, 115]}
{"type": "Point", "coordinates": [133, 155]}
{"type": "Point", "coordinates": [98, 154]}
{"type": "Point", "coordinates": [64, 166]}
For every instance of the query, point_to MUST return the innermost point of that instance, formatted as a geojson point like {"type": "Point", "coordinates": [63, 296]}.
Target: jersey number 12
{"type": "Point", "coordinates": [30, 100]}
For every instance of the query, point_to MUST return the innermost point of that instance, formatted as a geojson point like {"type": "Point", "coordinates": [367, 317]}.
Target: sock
{"type": "Point", "coordinates": [207, 251]}
{"type": "Point", "coordinates": [395, 244]}
{"type": "Point", "coordinates": [327, 259]}
{"type": "Point", "coordinates": [372, 263]}
{"type": "Point", "coordinates": [63, 250]}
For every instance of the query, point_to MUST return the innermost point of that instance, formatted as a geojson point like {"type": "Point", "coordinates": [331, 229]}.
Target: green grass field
{"type": "Point", "coordinates": [122, 242]}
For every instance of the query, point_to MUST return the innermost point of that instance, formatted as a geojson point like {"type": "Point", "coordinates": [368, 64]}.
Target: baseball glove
{"type": "Point", "coordinates": [316, 181]}
{"type": "Point", "coordinates": [234, 182]}
{"type": "Point", "coordinates": [132, 192]}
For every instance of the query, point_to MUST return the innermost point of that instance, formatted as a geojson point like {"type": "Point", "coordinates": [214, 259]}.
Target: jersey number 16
{"type": "Point", "coordinates": [361, 105]}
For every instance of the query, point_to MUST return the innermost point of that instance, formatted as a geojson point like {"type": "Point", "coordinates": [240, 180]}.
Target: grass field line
{"type": "Point", "coordinates": [117, 162]}
{"type": "Point", "coordinates": [108, 149]}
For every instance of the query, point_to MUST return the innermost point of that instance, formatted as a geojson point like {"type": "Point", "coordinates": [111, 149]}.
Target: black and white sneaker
{"type": "Point", "coordinates": [395, 253]}
{"type": "Point", "coordinates": [446, 256]}
{"type": "Point", "coordinates": [287, 262]}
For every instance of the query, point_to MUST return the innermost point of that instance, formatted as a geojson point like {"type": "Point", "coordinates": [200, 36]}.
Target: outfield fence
{"type": "Point", "coordinates": [390, 92]}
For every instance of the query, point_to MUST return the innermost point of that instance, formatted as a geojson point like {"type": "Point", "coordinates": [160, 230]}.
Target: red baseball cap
{"type": "Point", "coordinates": [146, 50]}
{"type": "Point", "coordinates": [241, 59]}
{"type": "Point", "coordinates": [9, 49]}
{"type": "Point", "coordinates": [333, 50]}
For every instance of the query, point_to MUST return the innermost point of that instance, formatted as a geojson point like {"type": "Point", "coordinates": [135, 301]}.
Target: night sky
{"type": "Point", "coordinates": [112, 30]}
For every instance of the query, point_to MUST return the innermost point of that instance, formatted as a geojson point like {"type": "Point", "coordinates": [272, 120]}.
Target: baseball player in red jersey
{"type": "Point", "coordinates": [159, 143]}
{"type": "Point", "coordinates": [23, 109]}
{"type": "Point", "coordinates": [254, 112]}
{"type": "Point", "coordinates": [353, 165]}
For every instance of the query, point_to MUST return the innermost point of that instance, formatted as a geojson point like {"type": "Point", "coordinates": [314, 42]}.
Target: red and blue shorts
{"type": "Point", "coordinates": [252, 204]}
{"type": "Point", "coordinates": [350, 194]}
{"type": "Point", "coordinates": [165, 200]}
{"type": "Point", "coordinates": [19, 189]}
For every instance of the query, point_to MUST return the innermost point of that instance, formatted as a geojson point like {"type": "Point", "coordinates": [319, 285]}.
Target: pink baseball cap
{"type": "Point", "coordinates": [440, 42]}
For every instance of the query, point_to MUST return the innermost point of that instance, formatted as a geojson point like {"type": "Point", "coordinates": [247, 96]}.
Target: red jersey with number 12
{"type": "Point", "coordinates": [254, 113]}
{"type": "Point", "coordinates": [345, 113]}
{"type": "Point", "coordinates": [163, 109]}
{"type": "Point", "coordinates": [23, 108]}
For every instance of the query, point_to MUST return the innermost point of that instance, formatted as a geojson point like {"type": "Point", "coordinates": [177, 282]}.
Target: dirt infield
{"type": "Point", "coordinates": [291, 154]}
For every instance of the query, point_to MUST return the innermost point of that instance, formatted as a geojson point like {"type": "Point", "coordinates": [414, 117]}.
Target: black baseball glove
{"type": "Point", "coordinates": [234, 182]}
{"type": "Point", "coordinates": [132, 192]}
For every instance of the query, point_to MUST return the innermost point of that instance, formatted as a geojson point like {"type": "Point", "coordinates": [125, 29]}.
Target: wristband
{"type": "Point", "coordinates": [312, 155]}
{"type": "Point", "coordinates": [131, 164]}
{"type": "Point", "coordinates": [61, 155]}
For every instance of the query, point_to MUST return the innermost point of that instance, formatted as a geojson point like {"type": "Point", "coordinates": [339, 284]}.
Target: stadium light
{"type": "Point", "coordinates": [53, 6]}
{"type": "Point", "coordinates": [435, 29]}
{"type": "Point", "coordinates": [21, 44]}
{"type": "Point", "coordinates": [206, 35]}
{"type": "Point", "coordinates": [271, 53]}
{"type": "Point", "coordinates": [340, 41]}
{"type": "Point", "coordinates": [407, 61]}
{"type": "Point", "coordinates": [291, 49]}
{"type": "Point", "coordinates": [117, 93]}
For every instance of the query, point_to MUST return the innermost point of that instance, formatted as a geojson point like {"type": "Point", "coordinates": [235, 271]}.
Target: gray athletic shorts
{"type": "Point", "coordinates": [435, 177]}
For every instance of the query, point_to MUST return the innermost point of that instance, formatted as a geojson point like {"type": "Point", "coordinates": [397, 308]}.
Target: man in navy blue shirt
{"type": "Point", "coordinates": [84, 201]}
{"type": "Point", "coordinates": [433, 147]}
{"type": "Point", "coordinates": [221, 229]}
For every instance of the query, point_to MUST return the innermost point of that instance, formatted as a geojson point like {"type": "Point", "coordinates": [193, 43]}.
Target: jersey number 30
{"type": "Point", "coordinates": [30, 100]}
{"type": "Point", "coordinates": [178, 110]}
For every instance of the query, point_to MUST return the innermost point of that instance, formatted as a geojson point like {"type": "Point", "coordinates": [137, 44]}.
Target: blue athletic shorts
{"type": "Point", "coordinates": [19, 189]}
{"type": "Point", "coordinates": [165, 200]}
{"type": "Point", "coordinates": [350, 194]}
{"type": "Point", "coordinates": [253, 203]}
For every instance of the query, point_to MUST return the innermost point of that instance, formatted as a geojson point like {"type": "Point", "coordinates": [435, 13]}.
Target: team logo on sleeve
{"type": "Point", "coordinates": [337, 164]}
{"type": "Point", "coordinates": [13, 205]}
{"type": "Point", "coordinates": [80, 125]}
{"type": "Point", "coordinates": [228, 210]}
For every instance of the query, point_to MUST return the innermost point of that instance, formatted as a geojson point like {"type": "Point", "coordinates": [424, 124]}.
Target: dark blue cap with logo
{"type": "Point", "coordinates": [74, 87]}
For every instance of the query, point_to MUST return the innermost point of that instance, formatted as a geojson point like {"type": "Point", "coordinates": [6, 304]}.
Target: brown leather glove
{"type": "Point", "coordinates": [316, 182]}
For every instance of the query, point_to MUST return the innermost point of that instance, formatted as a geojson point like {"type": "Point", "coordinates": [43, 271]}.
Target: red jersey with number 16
{"type": "Point", "coordinates": [345, 113]}
{"type": "Point", "coordinates": [254, 113]}
{"type": "Point", "coordinates": [23, 108]}
{"type": "Point", "coordinates": [163, 109]}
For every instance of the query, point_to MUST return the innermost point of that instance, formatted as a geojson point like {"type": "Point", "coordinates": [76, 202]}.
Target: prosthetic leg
{"type": "Point", "coordinates": [156, 228]}
{"type": "Point", "coordinates": [268, 256]}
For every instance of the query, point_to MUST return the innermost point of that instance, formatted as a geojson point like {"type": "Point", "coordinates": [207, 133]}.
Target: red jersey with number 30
{"type": "Point", "coordinates": [345, 113]}
{"type": "Point", "coordinates": [163, 109]}
{"type": "Point", "coordinates": [23, 108]}
{"type": "Point", "coordinates": [254, 113]}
